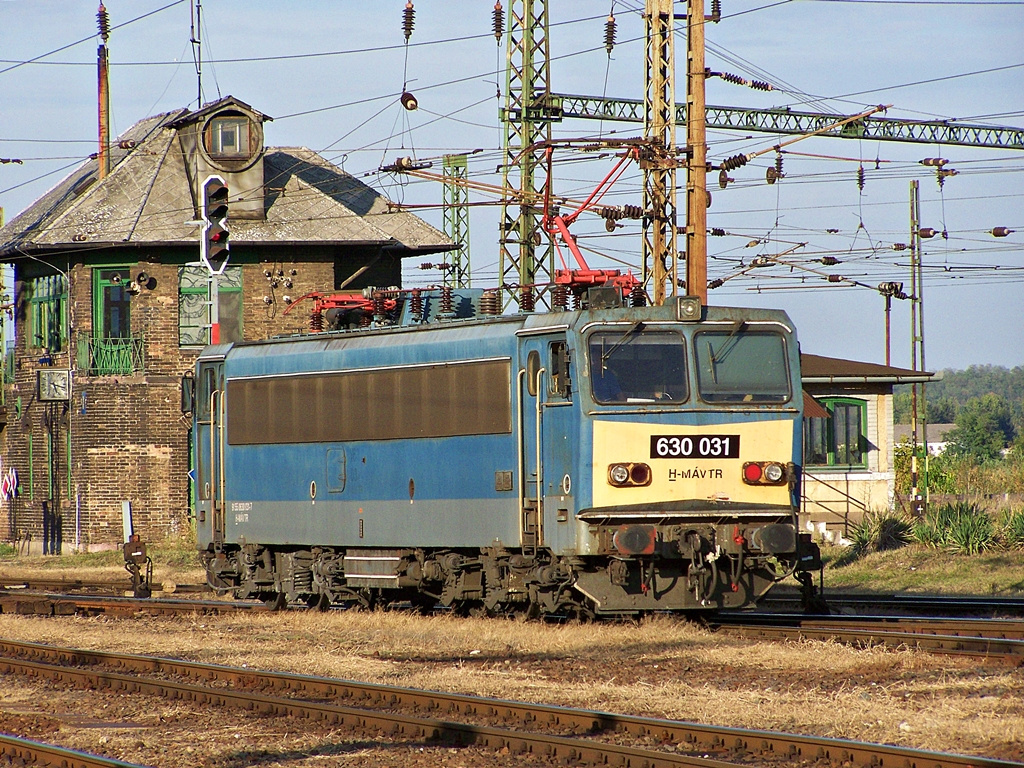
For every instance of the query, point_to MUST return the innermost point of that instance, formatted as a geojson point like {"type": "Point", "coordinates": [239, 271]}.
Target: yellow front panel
{"type": "Point", "coordinates": [681, 479]}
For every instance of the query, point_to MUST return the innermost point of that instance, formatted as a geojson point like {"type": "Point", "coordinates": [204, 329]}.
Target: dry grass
{"type": "Point", "coordinates": [663, 667]}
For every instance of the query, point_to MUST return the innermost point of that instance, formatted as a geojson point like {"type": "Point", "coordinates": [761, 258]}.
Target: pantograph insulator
{"type": "Point", "coordinates": [498, 21]}
{"type": "Point", "coordinates": [103, 22]}
{"type": "Point", "coordinates": [408, 20]}
{"type": "Point", "coordinates": [316, 321]}
{"type": "Point", "coordinates": [860, 178]}
{"type": "Point", "coordinates": [560, 298]}
{"type": "Point", "coordinates": [526, 301]}
{"type": "Point", "coordinates": [829, 261]}
{"type": "Point", "coordinates": [734, 162]}
{"type": "Point", "coordinates": [609, 33]}
{"type": "Point", "coordinates": [761, 85]}
{"type": "Point", "coordinates": [490, 303]}
{"type": "Point", "coordinates": [416, 303]}
{"type": "Point", "coordinates": [637, 297]}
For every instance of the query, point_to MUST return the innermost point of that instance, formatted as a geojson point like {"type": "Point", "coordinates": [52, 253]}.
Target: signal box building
{"type": "Point", "coordinates": [848, 440]}
{"type": "Point", "coordinates": [111, 308]}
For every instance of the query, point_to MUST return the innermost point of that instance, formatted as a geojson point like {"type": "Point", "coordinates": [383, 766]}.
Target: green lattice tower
{"type": "Point", "coordinates": [456, 219]}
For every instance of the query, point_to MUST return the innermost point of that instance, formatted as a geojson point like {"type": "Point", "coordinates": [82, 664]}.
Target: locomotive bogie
{"type": "Point", "coordinates": [585, 462]}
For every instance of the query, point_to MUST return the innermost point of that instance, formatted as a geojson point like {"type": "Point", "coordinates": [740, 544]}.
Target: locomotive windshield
{"type": "Point", "coordinates": [633, 365]}
{"type": "Point", "coordinates": [739, 365]}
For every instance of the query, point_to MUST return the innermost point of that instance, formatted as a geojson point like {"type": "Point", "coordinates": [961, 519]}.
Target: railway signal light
{"type": "Point", "coordinates": [214, 246]}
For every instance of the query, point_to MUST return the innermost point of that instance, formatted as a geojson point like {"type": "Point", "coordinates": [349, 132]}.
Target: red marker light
{"type": "Point", "coordinates": [752, 473]}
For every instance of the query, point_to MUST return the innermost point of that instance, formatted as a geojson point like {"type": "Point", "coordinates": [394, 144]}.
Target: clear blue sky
{"type": "Point", "coordinates": [330, 73]}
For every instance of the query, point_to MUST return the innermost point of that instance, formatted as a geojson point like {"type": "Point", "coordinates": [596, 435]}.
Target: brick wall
{"type": "Point", "coordinates": [128, 440]}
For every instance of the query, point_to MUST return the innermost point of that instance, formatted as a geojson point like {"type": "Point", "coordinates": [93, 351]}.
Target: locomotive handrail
{"type": "Point", "coordinates": [521, 450]}
{"type": "Point", "coordinates": [540, 460]}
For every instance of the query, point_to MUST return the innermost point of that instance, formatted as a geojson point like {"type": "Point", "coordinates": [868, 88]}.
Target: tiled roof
{"type": "Point", "coordinates": [815, 368]}
{"type": "Point", "coordinates": [148, 198]}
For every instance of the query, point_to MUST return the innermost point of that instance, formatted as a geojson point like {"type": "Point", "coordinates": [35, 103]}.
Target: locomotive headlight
{"type": "Point", "coordinates": [764, 473]}
{"type": "Point", "coordinates": [630, 474]}
{"type": "Point", "coordinates": [618, 474]}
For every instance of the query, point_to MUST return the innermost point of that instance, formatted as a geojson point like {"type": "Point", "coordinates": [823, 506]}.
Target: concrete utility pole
{"type": "Point", "coordinates": [919, 494]}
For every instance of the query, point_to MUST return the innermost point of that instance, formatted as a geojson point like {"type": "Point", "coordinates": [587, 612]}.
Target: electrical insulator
{"type": "Point", "coordinates": [734, 79]}
{"type": "Point", "coordinates": [860, 178]}
{"type": "Point", "coordinates": [716, 10]}
{"type": "Point", "coordinates": [926, 232]}
{"type": "Point", "coordinates": [637, 297]}
{"type": "Point", "coordinates": [761, 85]}
{"type": "Point", "coordinates": [499, 21]}
{"type": "Point", "coordinates": [717, 232]}
{"type": "Point", "coordinates": [416, 304]}
{"type": "Point", "coordinates": [936, 162]}
{"type": "Point", "coordinates": [609, 33]}
{"type": "Point", "coordinates": [899, 246]}
{"type": "Point", "coordinates": [832, 231]}
{"type": "Point", "coordinates": [835, 278]}
{"type": "Point", "coordinates": [829, 261]}
{"type": "Point", "coordinates": [103, 21]}
{"type": "Point", "coordinates": [942, 173]}
{"type": "Point", "coordinates": [560, 298]}
{"type": "Point", "coordinates": [526, 302]}
{"type": "Point", "coordinates": [1001, 231]}
{"type": "Point", "coordinates": [408, 20]}
{"type": "Point", "coordinates": [716, 283]}
{"type": "Point", "coordinates": [724, 179]}
{"type": "Point", "coordinates": [734, 162]}
{"type": "Point", "coordinates": [490, 303]}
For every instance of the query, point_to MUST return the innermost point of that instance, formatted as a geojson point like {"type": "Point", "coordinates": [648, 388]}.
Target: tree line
{"type": "Point", "coordinates": [985, 402]}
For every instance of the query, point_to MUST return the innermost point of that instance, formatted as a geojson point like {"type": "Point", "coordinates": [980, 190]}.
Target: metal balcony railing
{"type": "Point", "coordinates": [111, 357]}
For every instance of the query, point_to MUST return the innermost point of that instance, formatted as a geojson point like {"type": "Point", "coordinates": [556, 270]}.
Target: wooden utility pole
{"type": "Point", "coordinates": [697, 151]}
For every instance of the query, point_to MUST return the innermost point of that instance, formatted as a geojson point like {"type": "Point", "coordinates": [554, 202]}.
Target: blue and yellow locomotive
{"type": "Point", "coordinates": [605, 460]}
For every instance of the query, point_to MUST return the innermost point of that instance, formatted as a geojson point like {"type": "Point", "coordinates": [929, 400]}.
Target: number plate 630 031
{"type": "Point", "coordinates": [695, 446]}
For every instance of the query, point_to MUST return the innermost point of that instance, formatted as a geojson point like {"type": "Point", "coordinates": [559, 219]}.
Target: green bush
{"type": "Point", "coordinates": [1011, 528]}
{"type": "Point", "coordinates": [962, 527]}
{"type": "Point", "coordinates": [6, 550]}
{"type": "Point", "coordinates": [881, 531]}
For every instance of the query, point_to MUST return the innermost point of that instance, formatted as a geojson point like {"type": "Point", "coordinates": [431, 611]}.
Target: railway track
{"type": "Point", "coordinates": [985, 638]}
{"type": "Point", "coordinates": [18, 751]}
{"type": "Point", "coordinates": [570, 735]}
{"type": "Point", "coordinates": [786, 599]}
{"type": "Point", "coordinates": [44, 604]}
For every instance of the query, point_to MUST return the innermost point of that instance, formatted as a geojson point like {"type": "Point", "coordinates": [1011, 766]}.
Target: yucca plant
{"type": "Point", "coordinates": [1011, 528]}
{"type": "Point", "coordinates": [881, 531]}
{"type": "Point", "coordinates": [960, 527]}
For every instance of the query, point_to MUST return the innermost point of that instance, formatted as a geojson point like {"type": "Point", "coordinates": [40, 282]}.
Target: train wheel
{"type": "Point", "coordinates": [318, 602]}
{"type": "Point", "coordinates": [275, 601]}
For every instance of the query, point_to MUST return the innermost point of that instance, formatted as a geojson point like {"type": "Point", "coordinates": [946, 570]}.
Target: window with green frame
{"type": "Point", "coordinates": [841, 439]}
{"type": "Point", "coordinates": [47, 307]}
{"type": "Point", "coordinates": [194, 305]}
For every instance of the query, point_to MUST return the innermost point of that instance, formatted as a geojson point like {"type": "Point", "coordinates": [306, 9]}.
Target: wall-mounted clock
{"type": "Point", "coordinates": [54, 383]}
